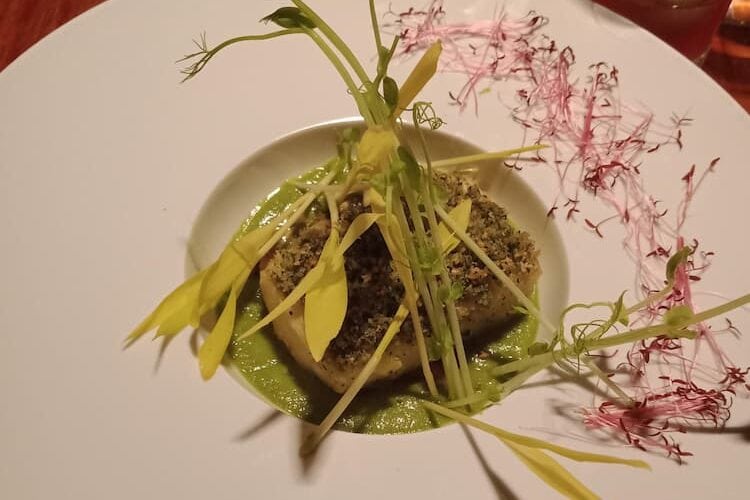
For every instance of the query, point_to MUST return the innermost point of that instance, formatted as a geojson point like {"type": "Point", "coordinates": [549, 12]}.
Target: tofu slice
{"type": "Point", "coordinates": [375, 291]}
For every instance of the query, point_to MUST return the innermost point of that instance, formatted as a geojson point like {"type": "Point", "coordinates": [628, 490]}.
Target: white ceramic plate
{"type": "Point", "coordinates": [105, 162]}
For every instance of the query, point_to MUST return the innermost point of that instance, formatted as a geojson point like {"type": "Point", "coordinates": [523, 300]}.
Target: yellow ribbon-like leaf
{"type": "Point", "coordinates": [180, 302]}
{"type": "Point", "coordinates": [326, 301]}
{"type": "Point", "coordinates": [529, 450]}
{"type": "Point", "coordinates": [356, 229]}
{"type": "Point", "coordinates": [180, 319]}
{"type": "Point", "coordinates": [551, 472]}
{"type": "Point", "coordinates": [236, 257]}
{"type": "Point", "coordinates": [394, 240]}
{"type": "Point", "coordinates": [578, 456]}
{"type": "Point", "coordinates": [212, 351]}
{"type": "Point", "coordinates": [299, 291]}
{"type": "Point", "coordinates": [200, 293]}
{"type": "Point", "coordinates": [460, 214]}
{"type": "Point", "coordinates": [418, 78]}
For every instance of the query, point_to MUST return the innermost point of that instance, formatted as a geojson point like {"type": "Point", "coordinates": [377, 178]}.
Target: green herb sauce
{"type": "Point", "coordinates": [389, 408]}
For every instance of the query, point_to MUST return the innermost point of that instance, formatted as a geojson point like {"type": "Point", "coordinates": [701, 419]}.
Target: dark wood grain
{"type": "Point", "coordinates": [24, 22]}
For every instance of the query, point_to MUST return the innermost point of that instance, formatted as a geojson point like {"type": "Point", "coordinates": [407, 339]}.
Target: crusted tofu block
{"type": "Point", "coordinates": [375, 291]}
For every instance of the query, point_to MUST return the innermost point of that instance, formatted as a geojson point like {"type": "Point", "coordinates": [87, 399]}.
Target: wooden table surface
{"type": "Point", "coordinates": [23, 22]}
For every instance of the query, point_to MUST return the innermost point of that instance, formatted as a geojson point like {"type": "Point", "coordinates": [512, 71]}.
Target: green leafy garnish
{"type": "Point", "coordinates": [390, 92]}
{"type": "Point", "coordinates": [461, 215]}
{"type": "Point", "coordinates": [289, 17]}
{"type": "Point", "coordinates": [675, 260]}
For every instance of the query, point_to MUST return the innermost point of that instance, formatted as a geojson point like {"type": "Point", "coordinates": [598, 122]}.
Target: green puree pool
{"type": "Point", "coordinates": [391, 408]}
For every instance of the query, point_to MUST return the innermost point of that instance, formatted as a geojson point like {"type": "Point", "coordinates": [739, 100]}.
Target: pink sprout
{"type": "Point", "coordinates": [647, 423]}
{"type": "Point", "coordinates": [599, 148]}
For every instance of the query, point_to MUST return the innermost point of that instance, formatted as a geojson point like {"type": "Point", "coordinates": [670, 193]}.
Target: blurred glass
{"type": "Point", "coordinates": [739, 12]}
{"type": "Point", "coordinates": [729, 60]}
{"type": "Point", "coordinates": [687, 25]}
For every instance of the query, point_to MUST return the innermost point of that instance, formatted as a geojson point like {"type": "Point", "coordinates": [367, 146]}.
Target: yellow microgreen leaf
{"type": "Point", "coordinates": [326, 301]}
{"type": "Point", "coordinates": [418, 78]}
{"type": "Point", "coordinates": [394, 240]}
{"type": "Point", "coordinates": [356, 229]}
{"type": "Point", "coordinates": [376, 146]}
{"type": "Point", "coordinates": [182, 299]}
{"type": "Point", "coordinates": [179, 320]}
{"type": "Point", "coordinates": [182, 317]}
{"type": "Point", "coordinates": [295, 295]}
{"type": "Point", "coordinates": [236, 257]}
{"type": "Point", "coordinates": [212, 351]}
{"type": "Point", "coordinates": [551, 472]}
{"type": "Point", "coordinates": [460, 214]}
{"type": "Point", "coordinates": [578, 456]}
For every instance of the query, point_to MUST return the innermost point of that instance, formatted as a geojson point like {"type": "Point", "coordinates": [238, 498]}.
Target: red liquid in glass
{"type": "Point", "coordinates": [687, 25]}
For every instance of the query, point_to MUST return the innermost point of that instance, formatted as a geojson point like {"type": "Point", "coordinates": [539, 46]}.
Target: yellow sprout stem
{"type": "Point", "coordinates": [336, 40]}
{"type": "Point", "coordinates": [424, 359]}
{"type": "Point", "coordinates": [375, 27]}
{"type": "Point", "coordinates": [570, 453]}
{"type": "Point", "coordinates": [545, 359]}
{"type": "Point", "coordinates": [411, 301]}
{"type": "Point", "coordinates": [531, 451]}
{"type": "Point", "coordinates": [364, 110]}
{"type": "Point", "coordinates": [422, 286]}
{"type": "Point", "coordinates": [300, 207]}
{"type": "Point", "coordinates": [481, 157]}
{"type": "Point", "coordinates": [314, 439]}
{"type": "Point", "coordinates": [450, 305]}
{"type": "Point", "coordinates": [392, 234]}
{"type": "Point", "coordinates": [476, 400]}
{"type": "Point", "coordinates": [495, 269]}
{"type": "Point", "coordinates": [333, 209]}
{"type": "Point", "coordinates": [428, 288]}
